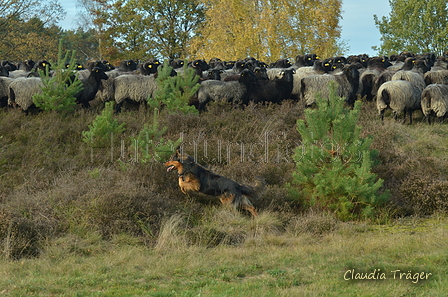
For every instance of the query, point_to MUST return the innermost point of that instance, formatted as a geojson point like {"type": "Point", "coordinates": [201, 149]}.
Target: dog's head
{"type": "Point", "coordinates": [179, 161]}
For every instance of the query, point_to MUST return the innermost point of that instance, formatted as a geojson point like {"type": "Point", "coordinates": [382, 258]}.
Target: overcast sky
{"type": "Point", "coordinates": [358, 27]}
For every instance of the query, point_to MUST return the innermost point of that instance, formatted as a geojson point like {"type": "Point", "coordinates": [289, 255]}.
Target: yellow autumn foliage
{"type": "Point", "coordinates": [268, 30]}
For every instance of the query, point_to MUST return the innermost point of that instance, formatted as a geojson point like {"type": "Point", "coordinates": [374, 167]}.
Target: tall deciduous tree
{"type": "Point", "coordinates": [413, 25]}
{"type": "Point", "coordinates": [269, 30]}
{"type": "Point", "coordinates": [142, 29]}
{"type": "Point", "coordinates": [84, 42]}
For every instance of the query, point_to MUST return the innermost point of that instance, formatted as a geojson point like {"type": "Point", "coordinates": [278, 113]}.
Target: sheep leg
{"type": "Point", "coordinates": [118, 107]}
{"type": "Point", "coordinates": [395, 115]}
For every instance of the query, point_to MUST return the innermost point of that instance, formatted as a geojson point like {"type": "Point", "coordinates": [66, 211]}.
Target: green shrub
{"type": "Point", "coordinates": [333, 163]}
{"type": "Point", "coordinates": [58, 90]}
{"type": "Point", "coordinates": [103, 128]}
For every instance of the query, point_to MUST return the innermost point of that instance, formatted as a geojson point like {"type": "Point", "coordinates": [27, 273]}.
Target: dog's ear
{"type": "Point", "coordinates": [178, 151]}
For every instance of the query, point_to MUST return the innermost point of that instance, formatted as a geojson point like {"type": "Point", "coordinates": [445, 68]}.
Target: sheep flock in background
{"type": "Point", "coordinates": [403, 83]}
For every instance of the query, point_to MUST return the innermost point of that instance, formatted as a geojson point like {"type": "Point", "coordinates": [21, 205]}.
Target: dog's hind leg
{"type": "Point", "coordinates": [247, 205]}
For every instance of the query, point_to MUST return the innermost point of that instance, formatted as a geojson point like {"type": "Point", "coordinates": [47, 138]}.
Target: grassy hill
{"type": "Point", "coordinates": [96, 222]}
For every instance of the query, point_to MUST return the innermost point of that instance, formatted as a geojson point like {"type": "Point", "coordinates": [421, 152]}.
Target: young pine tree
{"type": "Point", "coordinates": [150, 145]}
{"type": "Point", "coordinates": [174, 92]}
{"type": "Point", "coordinates": [58, 90]}
{"type": "Point", "coordinates": [103, 128]}
{"type": "Point", "coordinates": [333, 162]}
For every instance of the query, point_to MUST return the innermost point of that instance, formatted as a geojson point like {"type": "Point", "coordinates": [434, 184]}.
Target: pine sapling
{"type": "Point", "coordinates": [174, 92]}
{"type": "Point", "coordinates": [59, 89]}
{"type": "Point", "coordinates": [333, 162]}
{"type": "Point", "coordinates": [103, 128]}
{"type": "Point", "coordinates": [150, 145]}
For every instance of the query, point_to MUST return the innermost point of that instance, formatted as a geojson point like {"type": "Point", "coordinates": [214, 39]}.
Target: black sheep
{"type": "Point", "coordinates": [127, 66]}
{"type": "Point", "coordinates": [90, 84]}
{"type": "Point", "coordinates": [41, 65]}
{"type": "Point", "coordinates": [199, 66]}
{"type": "Point", "coordinates": [26, 65]}
{"type": "Point", "coordinates": [375, 66]}
{"type": "Point", "coordinates": [310, 59]}
{"type": "Point", "coordinates": [274, 90]}
{"type": "Point", "coordinates": [280, 63]}
{"type": "Point", "coordinates": [149, 67]}
{"type": "Point", "coordinates": [4, 71]}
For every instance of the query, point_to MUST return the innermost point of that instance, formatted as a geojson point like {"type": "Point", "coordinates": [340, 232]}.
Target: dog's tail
{"type": "Point", "coordinates": [257, 190]}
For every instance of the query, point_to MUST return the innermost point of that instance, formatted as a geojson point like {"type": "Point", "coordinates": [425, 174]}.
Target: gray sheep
{"type": "Point", "coordinates": [401, 96]}
{"type": "Point", "coordinates": [347, 83]}
{"type": "Point", "coordinates": [4, 90]}
{"type": "Point", "coordinates": [319, 67]}
{"type": "Point", "coordinates": [106, 91]}
{"type": "Point", "coordinates": [434, 101]}
{"type": "Point", "coordinates": [375, 66]}
{"type": "Point", "coordinates": [21, 91]}
{"type": "Point", "coordinates": [225, 91]}
{"type": "Point", "coordinates": [414, 77]}
{"type": "Point", "coordinates": [441, 63]}
{"type": "Point", "coordinates": [135, 88]}
{"type": "Point", "coordinates": [436, 77]}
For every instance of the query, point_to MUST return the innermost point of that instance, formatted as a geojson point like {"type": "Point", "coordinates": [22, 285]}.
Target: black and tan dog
{"type": "Point", "coordinates": [195, 178]}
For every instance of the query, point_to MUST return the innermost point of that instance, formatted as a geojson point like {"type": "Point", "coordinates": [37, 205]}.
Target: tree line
{"type": "Point", "coordinates": [231, 29]}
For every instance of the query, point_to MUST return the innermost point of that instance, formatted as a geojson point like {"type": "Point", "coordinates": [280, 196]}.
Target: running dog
{"type": "Point", "coordinates": [193, 177]}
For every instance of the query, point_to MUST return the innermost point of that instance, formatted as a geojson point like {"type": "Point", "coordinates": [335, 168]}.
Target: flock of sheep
{"type": "Point", "coordinates": [403, 83]}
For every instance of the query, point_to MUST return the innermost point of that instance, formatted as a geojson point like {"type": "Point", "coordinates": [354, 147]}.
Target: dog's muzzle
{"type": "Point", "coordinates": [170, 168]}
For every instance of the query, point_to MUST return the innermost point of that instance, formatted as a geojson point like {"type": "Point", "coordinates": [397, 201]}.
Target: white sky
{"type": "Point", "coordinates": [358, 27]}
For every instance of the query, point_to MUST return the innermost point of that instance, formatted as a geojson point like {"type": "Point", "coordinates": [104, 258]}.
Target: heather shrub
{"type": "Point", "coordinates": [312, 222]}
